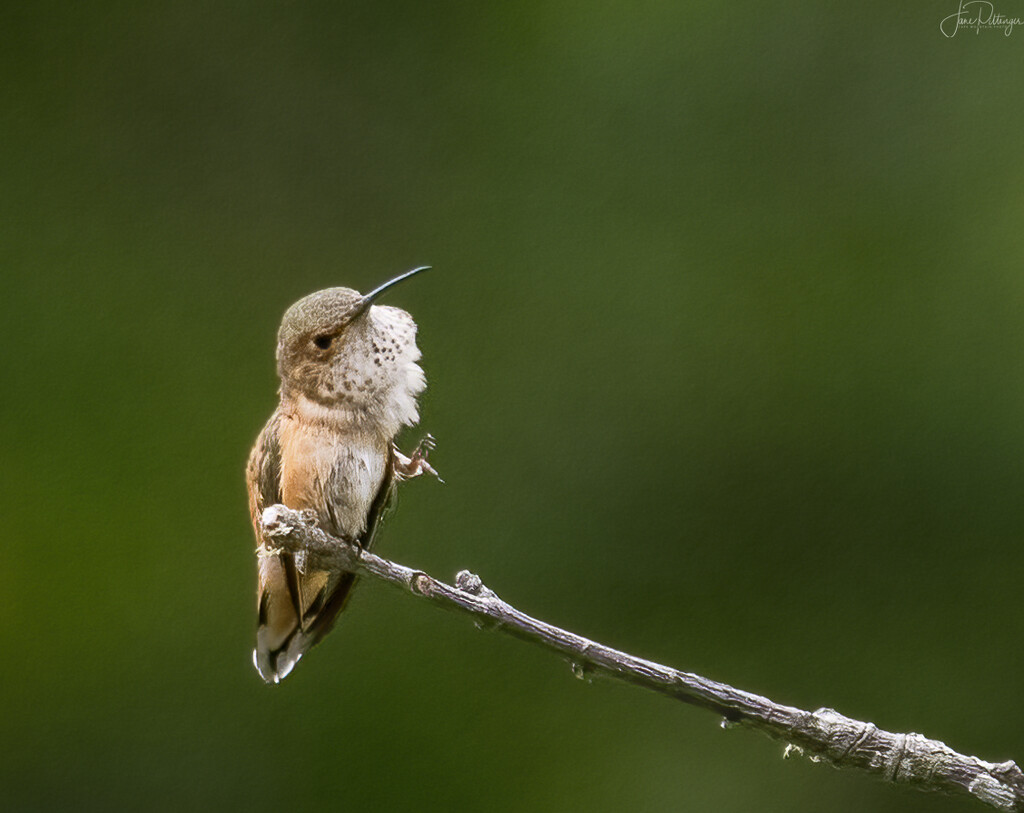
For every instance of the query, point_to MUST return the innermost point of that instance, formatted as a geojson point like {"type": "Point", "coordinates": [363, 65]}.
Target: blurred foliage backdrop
{"type": "Point", "coordinates": [726, 360]}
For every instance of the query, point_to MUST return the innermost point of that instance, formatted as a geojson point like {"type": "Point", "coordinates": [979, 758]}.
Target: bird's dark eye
{"type": "Point", "coordinates": [323, 341]}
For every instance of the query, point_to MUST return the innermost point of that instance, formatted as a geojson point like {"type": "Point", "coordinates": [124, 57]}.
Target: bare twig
{"type": "Point", "coordinates": [824, 735]}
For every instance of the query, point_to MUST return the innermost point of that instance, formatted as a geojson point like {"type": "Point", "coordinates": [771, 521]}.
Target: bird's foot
{"type": "Point", "coordinates": [416, 464]}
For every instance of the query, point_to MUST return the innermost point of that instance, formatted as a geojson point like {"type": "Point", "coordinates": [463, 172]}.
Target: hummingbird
{"type": "Point", "coordinates": [349, 383]}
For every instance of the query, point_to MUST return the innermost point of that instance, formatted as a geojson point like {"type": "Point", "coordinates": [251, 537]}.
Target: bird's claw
{"type": "Point", "coordinates": [417, 463]}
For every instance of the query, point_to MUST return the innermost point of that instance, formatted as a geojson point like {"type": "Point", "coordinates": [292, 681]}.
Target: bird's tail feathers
{"type": "Point", "coordinates": [296, 609]}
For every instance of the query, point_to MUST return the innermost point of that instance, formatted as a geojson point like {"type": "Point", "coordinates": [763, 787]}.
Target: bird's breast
{"type": "Point", "coordinates": [333, 472]}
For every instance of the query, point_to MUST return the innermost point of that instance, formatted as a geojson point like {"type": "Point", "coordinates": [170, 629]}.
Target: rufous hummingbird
{"type": "Point", "coordinates": [349, 383]}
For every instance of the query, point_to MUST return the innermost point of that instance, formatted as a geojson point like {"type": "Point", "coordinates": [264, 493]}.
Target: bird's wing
{"type": "Point", "coordinates": [296, 608]}
{"type": "Point", "coordinates": [323, 594]}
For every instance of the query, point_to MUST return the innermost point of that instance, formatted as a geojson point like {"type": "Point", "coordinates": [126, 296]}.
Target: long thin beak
{"type": "Point", "coordinates": [368, 300]}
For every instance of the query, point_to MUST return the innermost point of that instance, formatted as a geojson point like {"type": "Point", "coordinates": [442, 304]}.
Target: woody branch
{"type": "Point", "coordinates": [824, 735]}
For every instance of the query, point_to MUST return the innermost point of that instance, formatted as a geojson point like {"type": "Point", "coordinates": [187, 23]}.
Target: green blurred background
{"type": "Point", "coordinates": [726, 366]}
